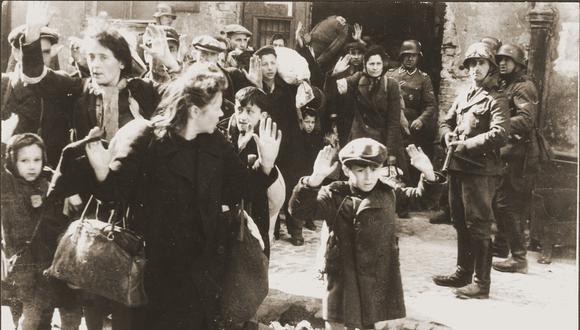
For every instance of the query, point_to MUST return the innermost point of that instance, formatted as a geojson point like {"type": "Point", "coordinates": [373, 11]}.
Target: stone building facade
{"type": "Point", "coordinates": [548, 31]}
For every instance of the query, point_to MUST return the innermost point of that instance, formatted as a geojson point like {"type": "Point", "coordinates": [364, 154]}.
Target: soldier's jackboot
{"type": "Point", "coordinates": [479, 289]}
{"type": "Point", "coordinates": [517, 263]}
{"type": "Point", "coordinates": [465, 263]}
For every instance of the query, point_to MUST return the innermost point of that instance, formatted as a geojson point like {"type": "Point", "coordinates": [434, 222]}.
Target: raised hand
{"type": "Point", "coordinates": [255, 71]}
{"type": "Point", "coordinates": [158, 48]}
{"type": "Point", "coordinates": [38, 15]}
{"type": "Point", "coordinates": [341, 65]}
{"type": "Point", "coordinates": [421, 162]}
{"type": "Point", "coordinates": [298, 34]}
{"type": "Point", "coordinates": [98, 156]}
{"type": "Point", "coordinates": [324, 165]}
{"type": "Point", "coordinates": [357, 33]}
{"type": "Point", "coordinates": [8, 127]}
{"type": "Point", "coordinates": [268, 143]}
{"type": "Point", "coordinates": [183, 49]}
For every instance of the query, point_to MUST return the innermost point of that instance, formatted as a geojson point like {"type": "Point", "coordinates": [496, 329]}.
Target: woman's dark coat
{"type": "Point", "coordinates": [363, 277]}
{"type": "Point", "coordinates": [380, 107]}
{"type": "Point", "coordinates": [178, 211]}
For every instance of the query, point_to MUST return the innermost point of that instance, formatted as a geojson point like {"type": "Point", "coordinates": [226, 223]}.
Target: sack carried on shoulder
{"type": "Point", "coordinates": [102, 258]}
{"type": "Point", "coordinates": [245, 283]}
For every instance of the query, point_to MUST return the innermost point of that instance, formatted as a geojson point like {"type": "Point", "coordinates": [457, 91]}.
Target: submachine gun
{"type": "Point", "coordinates": [451, 153]}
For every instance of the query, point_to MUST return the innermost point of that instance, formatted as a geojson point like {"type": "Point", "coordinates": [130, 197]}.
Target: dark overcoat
{"type": "Point", "coordinates": [380, 108]}
{"type": "Point", "coordinates": [177, 205]}
{"type": "Point", "coordinates": [364, 280]}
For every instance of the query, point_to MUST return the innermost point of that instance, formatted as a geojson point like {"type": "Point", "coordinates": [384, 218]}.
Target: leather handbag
{"type": "Point", "coordinates": [103, 258]}
{"type": "Point", "coordinates": [245, 283]}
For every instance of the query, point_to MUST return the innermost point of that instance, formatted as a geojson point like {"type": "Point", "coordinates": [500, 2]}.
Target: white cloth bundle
{"type": "Point", "coordinates": [292, 67]}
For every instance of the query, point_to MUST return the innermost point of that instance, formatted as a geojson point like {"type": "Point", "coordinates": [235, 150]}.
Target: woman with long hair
{"type": "Point", "coordinates": [177, 172]}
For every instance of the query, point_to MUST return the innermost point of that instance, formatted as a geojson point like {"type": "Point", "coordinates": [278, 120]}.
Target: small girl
{"type": "Point", "coordinates": [26, 240]}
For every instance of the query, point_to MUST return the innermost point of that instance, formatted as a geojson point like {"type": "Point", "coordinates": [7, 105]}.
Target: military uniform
{"type": "Point", "coordinates": [480, 118]}
{"type": "Point", "coordinates": [420, 103]}
{"type": "Point", "coordinates": [521, 156]}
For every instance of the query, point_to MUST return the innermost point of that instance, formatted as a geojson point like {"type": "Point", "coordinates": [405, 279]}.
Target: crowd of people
{"type": "Point", "coordinates": [180, 133]}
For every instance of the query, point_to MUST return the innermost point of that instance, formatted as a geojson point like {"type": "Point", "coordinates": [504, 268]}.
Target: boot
{"type": "Point", "coordinates": [483, 257]}
{"type": "Point", "coordinates": [441, 217]}
{"type": "Point", "coordinates": [517, 263]}
{"type": "Point", "coordinates": [512, 265]}
{"type": "Point", "coordinates": [500, 247]}
{"type": "Point", "coordinates": [464, 272]}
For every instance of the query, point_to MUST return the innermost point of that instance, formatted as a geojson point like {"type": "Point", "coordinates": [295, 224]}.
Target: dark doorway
{"type": "Point", "coordinates": [389, 23]}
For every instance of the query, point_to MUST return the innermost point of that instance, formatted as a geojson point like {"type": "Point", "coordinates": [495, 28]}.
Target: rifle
{"type": "Point", "coordinates": [451, 153]}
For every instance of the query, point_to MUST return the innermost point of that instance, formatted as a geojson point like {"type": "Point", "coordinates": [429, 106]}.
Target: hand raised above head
{"type": "Point", "coordinates": [341, 65]}
{"type": "Point", "coordinates": [38, 15]}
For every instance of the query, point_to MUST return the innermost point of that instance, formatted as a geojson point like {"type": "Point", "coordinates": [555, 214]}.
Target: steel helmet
{"type": "Point", "coordinates": [164, 9]}
{"type": "Point", "coordinates": [479, 50]}
{"type": "Point", "coordinates": [411, 47]}
{"type": "Point", "coordinates": [493, 43]}
{"type": "Point", "coordinates": [512, 51]}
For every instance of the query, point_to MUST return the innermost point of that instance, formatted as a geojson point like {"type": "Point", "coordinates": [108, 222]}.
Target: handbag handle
{"type": "Point", "coordinates": [87, 207]}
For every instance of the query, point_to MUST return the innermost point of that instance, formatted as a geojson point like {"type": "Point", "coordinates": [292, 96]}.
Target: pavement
{"type": "Point", "coordinates": [545, 298]}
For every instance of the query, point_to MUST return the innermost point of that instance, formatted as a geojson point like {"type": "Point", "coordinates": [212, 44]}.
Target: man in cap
{"type": "Point", "coordinates": [48, 117]}
{"type": "Point", "coordinates": [520, 156]}
{"type": "Point", "coordinates": [239, 52]}
{"type": "Point", "coordinates": [208, 51]}
{"type": "Point", "coordinates": [351, 62]}
{"type": "Point", "coordinates": [420, 103]}
{"type": "Point", "coordinates": [164, 14]}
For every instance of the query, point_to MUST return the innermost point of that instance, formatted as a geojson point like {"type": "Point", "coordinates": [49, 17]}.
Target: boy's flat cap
{"type": "Point", "coordinates": [363, 150]}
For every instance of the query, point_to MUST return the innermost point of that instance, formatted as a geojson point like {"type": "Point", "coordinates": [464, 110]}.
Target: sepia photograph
{"type": "Point", "coordinates": [312, 165]}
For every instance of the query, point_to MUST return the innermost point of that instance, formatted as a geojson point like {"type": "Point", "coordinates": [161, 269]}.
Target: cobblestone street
{"type": "Point", "coordinates": [545, 298]}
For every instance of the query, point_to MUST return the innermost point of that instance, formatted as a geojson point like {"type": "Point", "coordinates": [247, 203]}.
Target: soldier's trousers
{"type": "Point", "coordinates": [510, 208]}
{"type": "Point", "coordinates": [470, 202]}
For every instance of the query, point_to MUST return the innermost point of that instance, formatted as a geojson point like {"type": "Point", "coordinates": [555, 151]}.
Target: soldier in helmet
{"type": "Point", "coordinates": [442, 216]}
{"type": "Point", "coordinates": [493, 43]}
{"type": "Point", "coordinates": [520, 155]}
{"type": "Point", "coordinates": [420, 104]}
{"type": "Point", "coordinates": [164, 14]}
{"type": "Point", "coordinates": [475, 128]}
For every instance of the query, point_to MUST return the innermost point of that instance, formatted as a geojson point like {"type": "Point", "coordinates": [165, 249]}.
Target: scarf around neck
{"type": "Point", "coordinates": [107, 106]}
